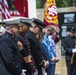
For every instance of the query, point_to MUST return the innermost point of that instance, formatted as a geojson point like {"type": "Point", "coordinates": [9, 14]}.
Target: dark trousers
{"type": "Point", "coordinates": [70, 68]}
{"type": "Point", "coordinates": [29, 73]}
{"type": "Point", "coordinates": [40, 70]}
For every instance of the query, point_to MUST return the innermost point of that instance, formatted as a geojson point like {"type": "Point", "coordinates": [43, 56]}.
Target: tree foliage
{"type": "Point", "coordinates": [40, 3]}
{"type": "Point", "coordinates": [11, 6]}
{"type": "Point", "coordinates": [59, 3]}
{"type": "Point", "coordinates": [65, 3]}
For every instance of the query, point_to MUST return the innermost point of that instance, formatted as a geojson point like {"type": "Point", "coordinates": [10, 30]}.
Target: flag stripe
{"type": "Point", "coordinates": [4, 9]}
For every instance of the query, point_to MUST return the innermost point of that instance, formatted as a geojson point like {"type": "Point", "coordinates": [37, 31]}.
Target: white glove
{"type": "Point", "coordinates": [23, 72]}
{"type": "Point", "coordinates": [44, 72]}
{"type": "Point", "coordinates": [74, 50]}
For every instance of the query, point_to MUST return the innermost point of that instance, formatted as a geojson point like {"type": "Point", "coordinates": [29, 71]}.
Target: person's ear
{"type": "Point", "coordinates": [10, 27]}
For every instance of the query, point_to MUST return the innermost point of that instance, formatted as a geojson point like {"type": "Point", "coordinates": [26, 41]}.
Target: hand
{"type": "Point", "coordinates": [56, 59]}
{"type": "Point", "coordinates": [46, 64]}
{"type": "Point", "coordinates": [53, 59]}
{"type": "Point", "coordinates": [20, 45]}
{"type": "Point", "coordinates": [74, 50]}
{"type": "Point", "coordinates": [23, 72]}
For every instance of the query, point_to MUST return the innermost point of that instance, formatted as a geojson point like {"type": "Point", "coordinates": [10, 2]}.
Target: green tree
{"type": "Point", "coordinates": [65, 3]}
{"type": "Point", "coordinates": [40, 3]}
{"type": "Point", "coordinates": [11, 6]}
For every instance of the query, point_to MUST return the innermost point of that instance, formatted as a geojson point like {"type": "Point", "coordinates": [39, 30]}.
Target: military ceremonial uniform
{"type": "Point", "coordinates": [26, 48]}
{"type": "Point", "coordinates": [35, 45]}
{"type": "Point", "coordinates": [35, 48]}
{"type": "Point", "coordinates": [10, 56]}
{"type": "Point", "coordinates": [25, 52]}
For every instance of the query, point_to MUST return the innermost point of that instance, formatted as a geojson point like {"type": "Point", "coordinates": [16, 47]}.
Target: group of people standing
{"type": "Point", "coordinates": [28, 49]}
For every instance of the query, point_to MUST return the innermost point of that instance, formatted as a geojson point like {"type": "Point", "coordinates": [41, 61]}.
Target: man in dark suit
{"type": "Point", "coordinates": [69, 44]}
{"type": "Point", "coordinates": [36, 28]}
{"type": "Point", "coordinates": [9, 52]}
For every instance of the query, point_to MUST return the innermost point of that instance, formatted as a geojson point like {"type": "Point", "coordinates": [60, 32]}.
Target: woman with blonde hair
{"type": "Point", "coordinates": [50, 47]}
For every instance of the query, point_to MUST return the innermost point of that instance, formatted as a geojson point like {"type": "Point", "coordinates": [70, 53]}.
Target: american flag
{"type": "Point", "coordinates": [4, 9]}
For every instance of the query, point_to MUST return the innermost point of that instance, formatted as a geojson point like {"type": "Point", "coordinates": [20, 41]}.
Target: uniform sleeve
{"type": "Point", "coordinates": [36, 53]}
{"type": "Point", "coordinates": [66, 48]}
{"type": "Point", "coordinates": [44, 52]}
{"type": "Point", "coordinates": [8, 59]}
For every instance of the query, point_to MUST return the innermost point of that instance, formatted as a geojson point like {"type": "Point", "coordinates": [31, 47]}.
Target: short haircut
{"type": "Point", "coordinates": [52, 29]}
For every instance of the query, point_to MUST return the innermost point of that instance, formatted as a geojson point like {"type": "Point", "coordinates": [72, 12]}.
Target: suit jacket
{"type": "Point", "coordinates": [35, 48]}
{"type": "Point", "coordinates": [25, 52]}
{"type": "Point", "coordinates": [68, 44]}
{"type": "Point", "coordinates": [10, 56]}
